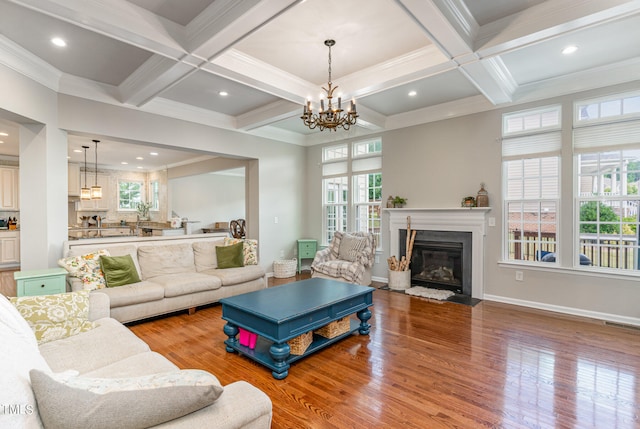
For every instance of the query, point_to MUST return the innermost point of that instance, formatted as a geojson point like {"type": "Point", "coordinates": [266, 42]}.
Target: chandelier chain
{"type": "Point", "coordinates": [329, 65]}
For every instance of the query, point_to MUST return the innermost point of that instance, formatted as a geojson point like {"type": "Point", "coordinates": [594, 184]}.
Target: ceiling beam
{"type": "Point", "coordinates": [449, 24]}
{"type": "Point", "coordinates": [210, 34]}
{"type": "Point", "coordinates": [548, 20]}
{"type": "Point", "coordinates": [119, 20]}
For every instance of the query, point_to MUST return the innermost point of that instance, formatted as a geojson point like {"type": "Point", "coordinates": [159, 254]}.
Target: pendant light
{"type": "Point", "coordinates": [85, 193]}
{"type": "Point", "coordinates": [96, 191]}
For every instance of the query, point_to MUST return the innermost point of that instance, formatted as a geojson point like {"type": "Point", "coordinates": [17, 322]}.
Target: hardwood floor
{"type": "Point", "coordinates": [435, 365]}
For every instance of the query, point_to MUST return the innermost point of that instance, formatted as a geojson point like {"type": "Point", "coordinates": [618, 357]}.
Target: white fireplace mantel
{"type": "Point", "coordinates": [445, 219]}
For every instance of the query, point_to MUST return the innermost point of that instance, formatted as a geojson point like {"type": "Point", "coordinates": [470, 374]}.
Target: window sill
{"type": "Point", "coordinates": [581, 271]}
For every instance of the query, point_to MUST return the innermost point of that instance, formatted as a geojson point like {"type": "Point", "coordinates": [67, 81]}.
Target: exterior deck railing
{"type": "Point", "coordinates": [603, 251]}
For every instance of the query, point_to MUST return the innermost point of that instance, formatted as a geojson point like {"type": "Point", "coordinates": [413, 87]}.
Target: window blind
{"type": "Point", "coordinates": [614, 135]}
{"type": "Point", "coordinates": [542, 144]}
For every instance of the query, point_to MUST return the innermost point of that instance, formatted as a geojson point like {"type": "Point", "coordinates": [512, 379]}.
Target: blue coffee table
{"type": "Point", "coordinates": [280, 313]}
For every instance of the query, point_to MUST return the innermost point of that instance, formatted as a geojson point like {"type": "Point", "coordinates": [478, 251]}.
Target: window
{"type": "Point", "coordinates": [352, 188]}
{"type": "Point", "coordinates": [129, 195]}
{"type": "Point", "coordinates": [531, 181]}
{"type": "Point", "coordinates": [606, 144]}
{"type": "Point", "coordinates": [154, 198]}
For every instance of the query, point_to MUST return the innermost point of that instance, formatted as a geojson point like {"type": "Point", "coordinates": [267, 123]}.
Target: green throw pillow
{"type": "Point", "coordinates": [119, 270]}
{"type": "Point", "coordinates": [230, 256]}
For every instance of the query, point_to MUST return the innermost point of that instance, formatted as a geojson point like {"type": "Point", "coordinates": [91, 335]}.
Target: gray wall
{"type": "Point", "coordinates": [208, 198]}
{"type": "Point", "coordinates": [435, 165]}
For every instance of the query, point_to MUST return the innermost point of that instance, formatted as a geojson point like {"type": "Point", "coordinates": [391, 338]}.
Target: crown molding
{"type": "Point", "coordinates": [548, 20]}
{"type": "Point", "coordinates": [24, 62]}
{"type": "Point", "coordinates": [243, 68]}
{"type": "Point", "coordinates": [492, 78]}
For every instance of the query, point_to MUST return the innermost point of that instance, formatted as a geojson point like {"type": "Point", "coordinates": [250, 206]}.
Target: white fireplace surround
{"type": "Point", "coordinates": [471, 220]}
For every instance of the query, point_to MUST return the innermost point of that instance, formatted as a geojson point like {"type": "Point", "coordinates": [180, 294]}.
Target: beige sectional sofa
{"type": "Point", "coordinates": [109, 353]}
{"type": "Point", "coordinates": [176, 273]}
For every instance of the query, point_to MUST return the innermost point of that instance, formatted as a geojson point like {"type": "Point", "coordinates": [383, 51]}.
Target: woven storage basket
{"type": "Point", "coordinates": [335, 328]}
{"type": "Point", "coordinates": [300, 343]}
{"type": "Point", "coordinates": [285, 268]}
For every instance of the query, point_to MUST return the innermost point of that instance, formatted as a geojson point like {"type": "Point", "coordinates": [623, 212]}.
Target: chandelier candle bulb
{"type": "Point", "coordinates": [321, 106]}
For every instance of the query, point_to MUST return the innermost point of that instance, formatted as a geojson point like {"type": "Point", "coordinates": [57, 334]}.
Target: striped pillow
{"type": "Point", "coordinates": [350, 247]}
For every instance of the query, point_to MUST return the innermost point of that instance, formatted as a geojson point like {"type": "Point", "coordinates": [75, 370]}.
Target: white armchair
{"type": "Point", "coordinates": [348, 258]}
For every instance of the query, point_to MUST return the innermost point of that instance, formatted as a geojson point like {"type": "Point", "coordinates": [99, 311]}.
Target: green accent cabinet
{"type": "Point", "coordinates": [307, 249]}
{"type": "Point", "coordinates": [40, 282]}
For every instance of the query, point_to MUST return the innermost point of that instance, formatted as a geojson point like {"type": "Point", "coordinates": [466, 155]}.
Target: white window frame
{"type": "Point", "coordinates": [349, 167]}
{"type": "Point", "coordinates": [537, 138]}
{"type": "Point", "coordinates": [133, 207]}
{"type": "Point", "coordinates": [609, 140]}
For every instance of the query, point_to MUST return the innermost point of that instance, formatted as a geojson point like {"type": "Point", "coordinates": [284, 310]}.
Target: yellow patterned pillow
{"type": "Point", "coordinates": [52, 317]}
{"type": "Point", "coordinates": [86, 268]}
{"type": "Point", "coordinates": [249, 249]}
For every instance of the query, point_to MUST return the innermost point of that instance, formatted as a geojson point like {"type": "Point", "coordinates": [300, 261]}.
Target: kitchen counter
{"type": "Point", "coordinates": [77, 233]}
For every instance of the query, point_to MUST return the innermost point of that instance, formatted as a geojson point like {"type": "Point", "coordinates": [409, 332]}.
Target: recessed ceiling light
{"type": "Point", "coordinates": [77, 151]}
{"type": "Point", "coordinates": [59, 42]}
{"type": "Point", "coordinates": [153, 153]}
{"type": "Point", "coordinates": [223, 93]}
{"type": "Point", "coordinates": [139, 158]}
{"type": "Point", "coordinates": [412, 93]}
{"type": "Point", "coordinates": [1, 141]}
{"type": "Point", "coordinates": [139, 167]}
{"type": "Point", "coordinates": [3, 134]}
{"type": "Point", "coordinates": [569, 49]}
{"type": "Point", "coordinates": [124, 163]}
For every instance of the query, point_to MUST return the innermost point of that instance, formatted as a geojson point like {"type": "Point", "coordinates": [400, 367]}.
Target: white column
{"type": "Point", "coordinates": [43, 195]}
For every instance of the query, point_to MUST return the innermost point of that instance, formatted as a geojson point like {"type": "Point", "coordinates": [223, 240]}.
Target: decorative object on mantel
{"type": "Point", "coordinates": [425, 292]}
{"type": "Point", "coordinates": [96, 191]}
{"type": "Point", "coordinates": [468, 202]}
{"type": "Point", "coordinates": [85, 193]}
{"type": "Point", "coordinates": [390, 202]}
{"type": "Point", "coordinates": [482, 199]}
{"type": "Point", "coordinates": [331, 118]}
{"type": "Point", "coordinates": [399, 272]}
{"type": "Point", "coordinates": [399, 202]}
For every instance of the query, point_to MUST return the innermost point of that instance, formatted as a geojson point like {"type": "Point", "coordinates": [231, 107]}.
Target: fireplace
{"type": "Point", "coordinates": [443, 231]}
{"type": "Point", "coordinates": [440, 259]}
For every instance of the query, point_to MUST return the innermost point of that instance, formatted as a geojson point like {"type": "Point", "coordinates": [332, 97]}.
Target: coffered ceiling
{"type": "Point", "coordinates": [458, 56]}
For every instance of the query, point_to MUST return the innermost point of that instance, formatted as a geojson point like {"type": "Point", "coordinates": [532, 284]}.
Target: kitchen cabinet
{"type": "Point", "coordinates": [74, 180]}
{"type": "Point", "coordinates": [9, 179]}
{"type": "Point", "coordinates": [96, 205]}
{"type": "Point", "coordinates": [9, 247]}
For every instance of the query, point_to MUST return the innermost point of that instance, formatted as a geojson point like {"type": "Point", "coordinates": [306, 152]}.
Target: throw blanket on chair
{"type": "Point", "coordinates": [328, 261]}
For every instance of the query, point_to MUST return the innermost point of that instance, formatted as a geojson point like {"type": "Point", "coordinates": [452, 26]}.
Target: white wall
{"type": "Point", "coordinates": [275, 177]}
{"type": "Point", "coordinates": [435, 165]}
{"type": "Point", "coordinates": [208, 198]}
{"type": "Point", "coordinates": [43, 168]}
{"type": "Point", "coordinates": [276, 168]}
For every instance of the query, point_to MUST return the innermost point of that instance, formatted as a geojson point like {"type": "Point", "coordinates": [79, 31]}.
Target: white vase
{"type": "Point", "coordinates": [399, 280]}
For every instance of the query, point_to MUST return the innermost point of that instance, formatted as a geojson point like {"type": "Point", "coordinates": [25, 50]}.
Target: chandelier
{"type": "Point", "coordinates": [333, 117]}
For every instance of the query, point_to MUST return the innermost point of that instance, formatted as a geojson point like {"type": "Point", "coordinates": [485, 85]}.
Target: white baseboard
{"type": "Point", "coordinates": [623, 320]}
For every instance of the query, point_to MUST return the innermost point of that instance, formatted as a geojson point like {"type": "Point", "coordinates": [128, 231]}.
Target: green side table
{"type": "Point", "coordinates": [307, 249]}
{"type": "Point", "coordinates": [40, 282]}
